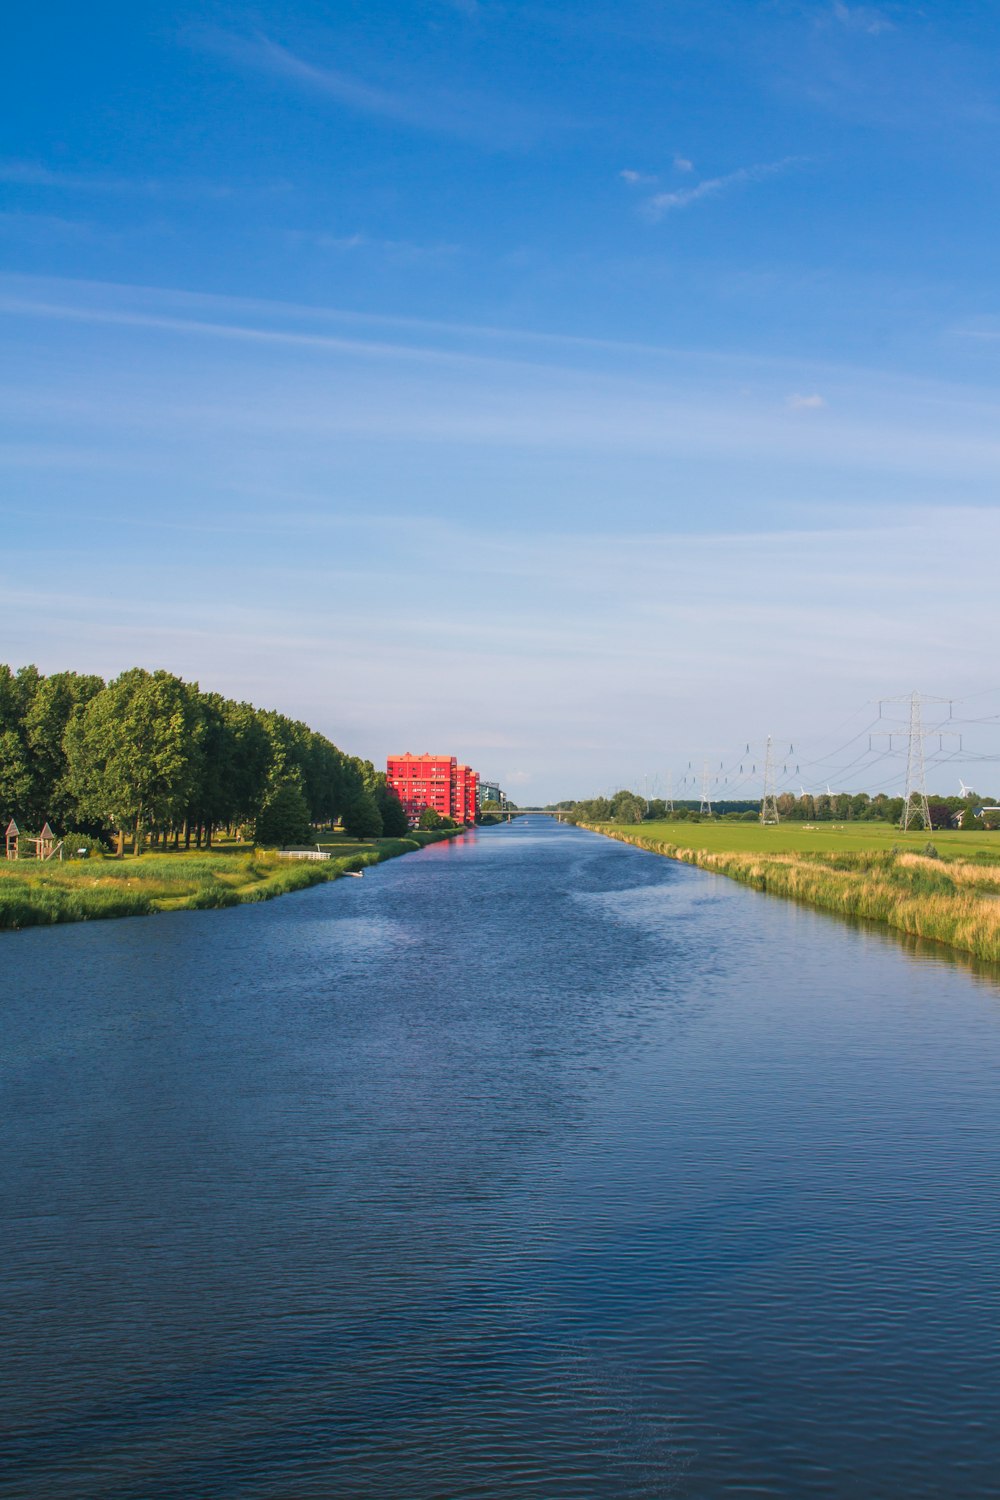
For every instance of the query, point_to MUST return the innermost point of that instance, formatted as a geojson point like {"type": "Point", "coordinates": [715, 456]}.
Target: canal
{"type": "Point", "coordinates": [531, 1165]}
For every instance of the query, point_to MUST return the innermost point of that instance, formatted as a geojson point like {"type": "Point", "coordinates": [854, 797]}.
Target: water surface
{"type": "Point", "coordinates": [532, 1165]}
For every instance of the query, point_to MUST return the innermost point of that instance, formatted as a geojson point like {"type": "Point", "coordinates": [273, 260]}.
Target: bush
{"type": "Point", "coordinates": [82, 846]}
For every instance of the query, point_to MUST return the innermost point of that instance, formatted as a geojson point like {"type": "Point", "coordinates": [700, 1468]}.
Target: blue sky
{"type": "Point", "coordinates": [580, 388]}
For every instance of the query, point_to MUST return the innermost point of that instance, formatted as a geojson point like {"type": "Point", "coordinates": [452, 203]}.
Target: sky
{"type": "Point", "coordinates": [586, 389]}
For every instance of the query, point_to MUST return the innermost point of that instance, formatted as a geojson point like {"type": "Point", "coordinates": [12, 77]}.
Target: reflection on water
{"type": "Point", "coordinates": [532, 1165]}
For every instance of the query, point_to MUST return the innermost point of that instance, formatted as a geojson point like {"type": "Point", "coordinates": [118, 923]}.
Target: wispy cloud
{"type": "Point", "coordinates": [805, 403]}
{"type": "Point", "coordinates": [861, 18]}
{"type": "Point", "coordinates": [683, 164]}
{"type": "Point", "coordinates": [30, 226]}
{"type": "Point", "coordinates": [436, 110]}
{"type": "Point", "coordinates": [712, 187]}
{"type": "Point", "coordinates": [402, 252]}
{"type": "Point", "coordinates": [36, 174]}
{"type": "Point", "coordinates": [33, 174]}
{"type": "Point", "coordinates": [266, 56]}
{"type": "Point", "coordinates": [985, 328]}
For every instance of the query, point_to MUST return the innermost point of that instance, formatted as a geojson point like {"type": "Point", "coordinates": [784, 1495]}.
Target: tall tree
{"type": "Point", "coordinates": [54, 702]}
{"type": "Point", "coordinates": [133, 753]}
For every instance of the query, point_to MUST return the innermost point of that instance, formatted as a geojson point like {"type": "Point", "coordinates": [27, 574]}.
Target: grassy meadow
{"type": "Point", "coordinates": [944, 887]}
{"type": "Point", "coordinates": [37, 894]}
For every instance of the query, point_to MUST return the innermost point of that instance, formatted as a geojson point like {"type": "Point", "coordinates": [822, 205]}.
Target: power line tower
{"type": "Point", "coordinates": [769, 801]}
{"type": "Point", "coordinates": [706, 800]}
{"type": "Point", "coordinates": [915, 794]}
{"type": "Point", "coordinates": [916, 783]}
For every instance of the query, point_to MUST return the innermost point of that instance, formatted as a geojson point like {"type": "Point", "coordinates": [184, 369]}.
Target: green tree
{"type": "Point", "coordinates": [395, 824]}
{"type": "Point", "coordinates": [54, 702]}
{"type": "Point", "coordinates": [133, 753]}
{"type": "Point", "coordinates": [430, 818]}
{"type": "Point", "coordinates": [284, 817]}
{"type": "Point", "coordinates": [15, 776]}
{"type": "Point", "coordinates": [362, 819]}
{"type": "Point", "coordinates": [16, 780]}
{"type": "Point", "coordinates": [627, 807]}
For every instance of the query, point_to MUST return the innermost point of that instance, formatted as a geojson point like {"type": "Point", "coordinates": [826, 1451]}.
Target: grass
{"type": "Point", "coordinates": [869, 870]}
{"type": "Point", "coordinates": [33, 894]}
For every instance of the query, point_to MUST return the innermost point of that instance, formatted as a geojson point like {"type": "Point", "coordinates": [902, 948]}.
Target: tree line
{"type": "Point", "coordinates": [840, 807]}
{"type": "Point", "coordinates": [150, 758]}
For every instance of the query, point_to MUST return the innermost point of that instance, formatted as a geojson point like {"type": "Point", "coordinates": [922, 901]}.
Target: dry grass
{"type": "Point", "coordinates": [956, 902]}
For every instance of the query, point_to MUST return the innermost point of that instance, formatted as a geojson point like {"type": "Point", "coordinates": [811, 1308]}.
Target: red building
{"type": "Point", "coordinates": [436, 781]}
{"type": "Point", "coordinates": [466, 799]}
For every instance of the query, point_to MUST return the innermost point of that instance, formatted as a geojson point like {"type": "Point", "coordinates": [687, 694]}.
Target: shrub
{"type": "Point", "coordinates": [82, 846]}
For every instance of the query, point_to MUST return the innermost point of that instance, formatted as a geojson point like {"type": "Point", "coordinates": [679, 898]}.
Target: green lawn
{"type": "Point", "coordinates": [814, 838]}
{"type": "Point", "coordinates": [33, 894]}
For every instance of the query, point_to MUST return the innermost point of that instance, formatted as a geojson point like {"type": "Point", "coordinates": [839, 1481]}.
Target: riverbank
{"type": "Point", "coordinates": [33, 894]}
{"type": "Point", "coordinates": [950, 894]}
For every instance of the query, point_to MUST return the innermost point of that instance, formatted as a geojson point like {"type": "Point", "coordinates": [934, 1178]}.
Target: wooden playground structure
{"type": "Point", "coordinates": [47, 846]}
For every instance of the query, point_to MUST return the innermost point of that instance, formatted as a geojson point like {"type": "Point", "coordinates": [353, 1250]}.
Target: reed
{"type": "Point", "coordinates": [952, 902]}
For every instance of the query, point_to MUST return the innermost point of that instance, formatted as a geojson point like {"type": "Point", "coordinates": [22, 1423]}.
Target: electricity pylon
{"type": "Point", "coordinates": [915, 795]}
{"type": "Point", "coordinates": [769, 802]}
{"type": "Point", "coordinates": [706, 801]}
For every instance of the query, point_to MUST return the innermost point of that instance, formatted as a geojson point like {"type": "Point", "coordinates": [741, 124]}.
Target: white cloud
{"type": "Point", "coordinates": [712, 187]}
{"type": "Point", "coordinates": [683, 164]}
{"type": "Point", "coordinates": [397, 250]}
{"type": "Point", "coordinates": [862, 18]}
{"type": "Point", "coordinates": [805, 403]}
{"type": "Point", "coordinates": [37, 175]}
{"type": "Point", "coordinates": [428, 107]}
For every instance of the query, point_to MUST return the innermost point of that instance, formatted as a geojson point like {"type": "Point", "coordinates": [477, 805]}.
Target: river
{"type": "Point", "coordinates": [531, 1165]}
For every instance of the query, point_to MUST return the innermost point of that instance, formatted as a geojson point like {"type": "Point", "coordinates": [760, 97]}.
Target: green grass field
{"type": "Point", "coordinates": [948, 893]}
{"type": "Point", "coordinates": [33, 894]}
{"type": "Point", "coordinates": [816, 838]}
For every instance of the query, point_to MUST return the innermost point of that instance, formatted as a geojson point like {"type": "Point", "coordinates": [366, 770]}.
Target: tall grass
{"type": "Point", "coordinates": [952, 902]}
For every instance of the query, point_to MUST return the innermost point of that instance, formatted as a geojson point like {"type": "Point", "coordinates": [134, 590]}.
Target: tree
{"type": "Point", "coordinates": [430, 818]}
{"type": "Point", "coordinates": [284, 817]}
{"type": "Point", "coordinates": [132, 754]}
{"type": "Point", "coordinates": [395, 824]}
{"type": "Point", "coordinates": [627, 807]}
{"type": "Point", "coordinates": [15, 776]}
{"type": "Point", "coordinates": [54, 702]}
{"type": "Point", "coordinates": [362, 819]}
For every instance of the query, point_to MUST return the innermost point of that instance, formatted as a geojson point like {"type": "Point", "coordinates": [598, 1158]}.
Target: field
{"type": "Point", "coordinates": [816, 838]}
{"type": "Point", "coordinates": [33, 894]}
{"type": "Point", "coordinates": [945, 889]}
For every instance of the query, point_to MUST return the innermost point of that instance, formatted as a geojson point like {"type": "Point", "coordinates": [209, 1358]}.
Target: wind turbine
{"type": "Point", "coordinates": [963, 790]}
